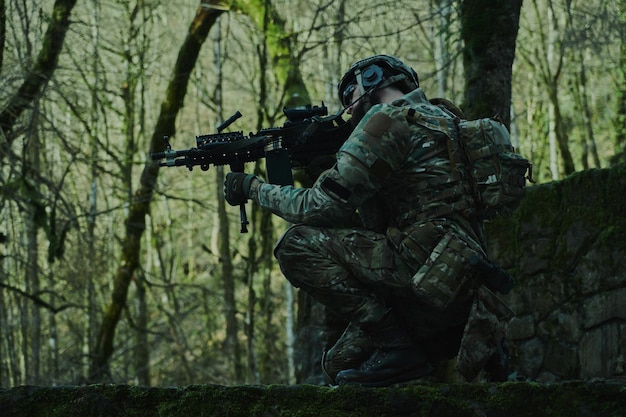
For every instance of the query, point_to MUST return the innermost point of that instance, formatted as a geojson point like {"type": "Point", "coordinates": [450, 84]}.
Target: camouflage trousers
{"type": "Point", "coordinates": [358, 274]}
{"type": "Point", "coordinates": [347, 270]}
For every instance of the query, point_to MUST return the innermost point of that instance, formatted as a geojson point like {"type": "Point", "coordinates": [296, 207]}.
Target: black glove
{"type": "Point", "coordinates": [237, 187]}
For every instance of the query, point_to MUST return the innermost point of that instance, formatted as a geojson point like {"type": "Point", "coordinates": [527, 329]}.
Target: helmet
{"type": "Point", "coordinates": [371, 73]}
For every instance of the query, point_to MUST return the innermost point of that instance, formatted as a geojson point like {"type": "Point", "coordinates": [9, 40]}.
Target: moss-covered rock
{"type": "Point", "coordinates": [434, 400]}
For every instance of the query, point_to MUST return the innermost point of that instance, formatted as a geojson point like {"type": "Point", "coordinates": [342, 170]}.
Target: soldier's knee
{"type": "Point", "coordinates": [294, 252]}
{"type": "Point", "coordinates": [293, 242]}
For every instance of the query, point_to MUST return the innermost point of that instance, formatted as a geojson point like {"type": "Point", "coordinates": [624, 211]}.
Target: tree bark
{"type": "Point", "coordinates": [489, 31]}
{"type": "Point", "coordinates": [39, 75]}
{"type": "Point", "coordinates": [3, 31]}
{"type": "Point", "coordinates": [135, 222]}
{"type": "Point", "coordinates": [284, 59]}
{"type": "Point", "coordinates": [620, 117]}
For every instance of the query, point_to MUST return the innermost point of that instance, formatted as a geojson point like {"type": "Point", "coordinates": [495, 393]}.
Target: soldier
{"type": "Point", "coordinates": [401, 274]}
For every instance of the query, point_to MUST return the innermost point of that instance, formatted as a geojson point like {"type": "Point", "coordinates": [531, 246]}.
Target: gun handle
{"type": "Point", "coordinates": [244, 218]}
{"type": "Point", "coordinates": [238, 167]}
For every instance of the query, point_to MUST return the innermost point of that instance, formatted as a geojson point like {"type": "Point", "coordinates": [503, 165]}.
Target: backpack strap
{"type": "Point", "coordinates": [447, 106]}
{"type": "Point", "coordinates": [437, 124]}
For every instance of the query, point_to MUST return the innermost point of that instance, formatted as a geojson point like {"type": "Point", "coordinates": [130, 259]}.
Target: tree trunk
{"type": "Point", "coordinates": [5, 359]}
{"type": "Point", "coordinates": [620, 118]}
{"type": "Point", "coordinates": [135, 223]}
{"type": "Point", "coordinates": [142, 347]}
{"type": "Point", "coordinates": [557, 132]}
{"type": "Point", "coordinates": [232, 348]}
{"type": "Point", "coordinates": [39, 75]}
{"type": "Point", "coordinates": [34, 221]}
{"type": "Point", "coordinates": [489, 30]}
{"type": "Point", "coordinates": [589, 148]}
{"type": "Point", "coordinates": [557, 126]}
{"type": "Point", "coordinates": [442, 33]}
{"type": "Point", "coordinates": [281, 50]}
{"type": "Point", "coordinates": [3, 31]}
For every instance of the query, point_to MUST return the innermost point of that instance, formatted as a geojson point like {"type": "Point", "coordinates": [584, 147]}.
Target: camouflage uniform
{"type": "Point", "coordinates": [395, 174]}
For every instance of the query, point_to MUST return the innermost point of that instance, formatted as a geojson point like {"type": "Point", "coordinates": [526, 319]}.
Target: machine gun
{"type": "Point", "coordinates": [307, 134]}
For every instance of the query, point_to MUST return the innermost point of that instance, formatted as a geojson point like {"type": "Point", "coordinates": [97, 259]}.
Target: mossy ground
{"type": "Point", "coordinates": [450, 400]}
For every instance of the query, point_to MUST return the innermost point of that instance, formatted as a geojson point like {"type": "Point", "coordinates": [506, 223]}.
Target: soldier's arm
{"type": "Point", "coordinates": [374, 150]}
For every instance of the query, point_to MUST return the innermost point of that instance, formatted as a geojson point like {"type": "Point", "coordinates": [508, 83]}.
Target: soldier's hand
{"type": "Point", "coordinates": [237, 187]}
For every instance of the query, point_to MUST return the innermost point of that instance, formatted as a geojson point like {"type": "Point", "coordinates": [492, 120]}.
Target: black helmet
{"type": "Point", "coordinates": [371, 73]}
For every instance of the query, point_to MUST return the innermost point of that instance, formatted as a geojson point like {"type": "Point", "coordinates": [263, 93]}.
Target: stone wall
{"type": "Point", "coordinates": [566, 246]}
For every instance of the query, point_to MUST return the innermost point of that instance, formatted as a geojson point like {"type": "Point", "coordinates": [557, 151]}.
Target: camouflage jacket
{"type": "Point", "coordinates": [394, 173]}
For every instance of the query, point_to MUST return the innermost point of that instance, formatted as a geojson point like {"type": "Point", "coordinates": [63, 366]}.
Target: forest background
{"type": "Point", "coordinates": [104, 281]}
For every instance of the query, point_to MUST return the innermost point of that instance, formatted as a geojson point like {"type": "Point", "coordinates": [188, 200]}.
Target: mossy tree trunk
{"type": "Point", "coordinates": [620, 118]}
{"type": "Point", "coordinates": [140, 206]}
{"type": "Point", "coordinates": [39, 75]}
{"type": "Point", "coordinates": [280, 47]}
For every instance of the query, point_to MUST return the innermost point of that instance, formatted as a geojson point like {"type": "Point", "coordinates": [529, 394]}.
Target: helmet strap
{"type": "Point", "coordinates": [365, 94]}
{"type": "Point", "coordinates": [392, 80]}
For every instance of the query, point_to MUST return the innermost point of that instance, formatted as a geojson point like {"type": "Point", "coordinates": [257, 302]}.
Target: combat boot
{"type": "Point", "coordinates": [396, 358]}
{"type": "Point", "coordinates": [350, 351]}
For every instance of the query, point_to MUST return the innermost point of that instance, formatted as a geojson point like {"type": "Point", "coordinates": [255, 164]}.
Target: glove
{"type": "Point", "coordinates": [237, 187]}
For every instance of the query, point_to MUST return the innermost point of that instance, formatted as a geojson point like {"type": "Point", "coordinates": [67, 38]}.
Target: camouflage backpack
{"type": "Point", "coordinates": [498, 172]}
{"type": "Point", "coordinates": [483, 149]}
